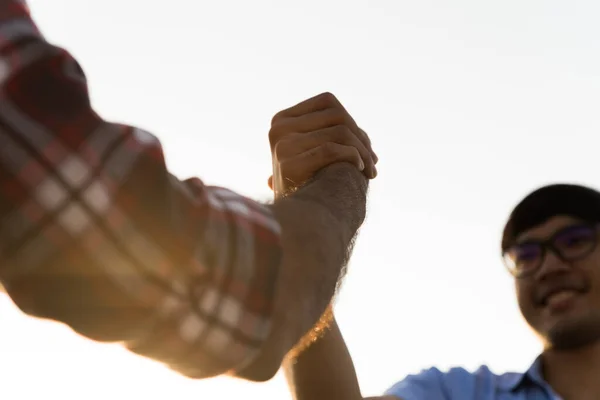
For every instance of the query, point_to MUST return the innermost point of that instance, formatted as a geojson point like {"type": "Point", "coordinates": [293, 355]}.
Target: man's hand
{"type": "Point", "coordinates": [305, 139]}
{"type": "Point", "coordinates": [316, 146]}
{"type": "Point", "coordinates": [312, 135]}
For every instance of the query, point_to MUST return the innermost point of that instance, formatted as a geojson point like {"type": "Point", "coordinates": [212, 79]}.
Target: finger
{"type": "Point", "coordinates": [317, 103]}
{"type": "Point", "coordinates": [365, 138]}
{"type": "Point", "coordinates": [300, 168]}
{"type": "Point", "coordinates": [321, 102]}
{"type": "Point", "coordinates": [339, 134]}
{"type": "Point", "coordinates": [320, 120]}
{"type": "Point", "coordinates": [270, 182]}
{"type": "Point", "coordinates": [315, 121]}
{"type": "Point", "coordinates": [283, 123]}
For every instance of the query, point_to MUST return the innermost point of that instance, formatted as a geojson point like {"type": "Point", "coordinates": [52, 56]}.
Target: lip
{"type": "Point", "coordinates": [562, 300]}
{"type": "Point", "coordinates": [548, 292]}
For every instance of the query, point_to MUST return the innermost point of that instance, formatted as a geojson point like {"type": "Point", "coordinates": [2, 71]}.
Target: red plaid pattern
{"type": "Point", "coordinates": [95, 232]}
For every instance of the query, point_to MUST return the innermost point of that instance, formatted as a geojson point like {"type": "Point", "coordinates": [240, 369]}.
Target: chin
{"type": "Point", "coordinates": [572, 333]}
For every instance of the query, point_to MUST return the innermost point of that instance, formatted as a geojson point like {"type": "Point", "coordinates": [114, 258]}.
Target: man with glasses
{"type": "Point", "coordinates": [550, 246]}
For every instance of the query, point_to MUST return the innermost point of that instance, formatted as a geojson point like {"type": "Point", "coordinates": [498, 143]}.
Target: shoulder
{"type": "Point", "coordinates": [455, 383]}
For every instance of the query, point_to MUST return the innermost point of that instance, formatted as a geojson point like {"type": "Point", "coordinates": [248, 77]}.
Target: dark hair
{"type": "Point", "coordinates": [549, 201]}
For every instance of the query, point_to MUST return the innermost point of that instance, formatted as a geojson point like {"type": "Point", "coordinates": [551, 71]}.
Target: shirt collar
{"type": "Point", "coordinates": [512, 381]}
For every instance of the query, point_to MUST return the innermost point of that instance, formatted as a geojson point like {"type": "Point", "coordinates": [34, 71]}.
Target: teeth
{"type": "Point", "coordinates": [560, 296]}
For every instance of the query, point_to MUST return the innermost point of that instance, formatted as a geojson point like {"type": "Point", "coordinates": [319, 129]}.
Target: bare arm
{"type": "Point", "coordinates": [325, 371]}
{"type": "Point", "coordinates": [318, 154]}
{"type": "Point", "coordinates": [319, 222]}
{"type": "Point", "coordinates": [97, 234]}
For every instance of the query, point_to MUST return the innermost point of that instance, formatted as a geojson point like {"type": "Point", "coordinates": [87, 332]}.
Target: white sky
{"type": "Point", "coordinates": [470, 104]}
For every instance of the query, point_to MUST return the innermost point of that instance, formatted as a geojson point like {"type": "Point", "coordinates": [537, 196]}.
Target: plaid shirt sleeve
{"type": "Point", "coordinates": [95, 232]}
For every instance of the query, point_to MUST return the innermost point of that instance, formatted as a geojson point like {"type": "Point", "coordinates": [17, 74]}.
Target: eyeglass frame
{"type": "Point", "coordinates": [548, 244]}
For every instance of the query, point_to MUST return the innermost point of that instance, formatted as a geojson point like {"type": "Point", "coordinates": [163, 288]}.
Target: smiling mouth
{"type": "Point", "coordinates": [560, 298]}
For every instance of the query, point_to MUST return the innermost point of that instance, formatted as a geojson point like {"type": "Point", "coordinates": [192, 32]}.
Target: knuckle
{"type": "Point", "coordinates": [280, 147]}
{"type": "Point", "coordinates": [339, 116]}
{"type": "Point", "coordinates": [361, 130]}
{"type": "Point", "coordinates": [276, 133]}
{"type": "Point", "coordinates": [277, 117]}
{"type": "Point", "coordinates": [329, 149]}
{"type": "Point", "coordinates": [329, 98]}
{"type": "Point", "coordinates": [341, 133]}
{"type": "Point", "coordinates": [347, 119]}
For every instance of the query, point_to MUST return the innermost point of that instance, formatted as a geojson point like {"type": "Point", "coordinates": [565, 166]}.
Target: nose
{"type": "Point", "coordinates": [552, 264]}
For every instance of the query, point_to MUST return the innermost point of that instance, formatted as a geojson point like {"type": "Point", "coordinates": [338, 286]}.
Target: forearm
{"type": "Point", "coordinates": [96, 233]}
{"type": "Point", "coordinates": [317, 236]}
{"type": "Point", "coordinates": [341, 190]}
{"type": "Point", "coordinates": [324, 371]}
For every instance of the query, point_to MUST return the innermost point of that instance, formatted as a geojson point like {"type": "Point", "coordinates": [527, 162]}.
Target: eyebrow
{"type": "Point", "coordinates": [573, 224]}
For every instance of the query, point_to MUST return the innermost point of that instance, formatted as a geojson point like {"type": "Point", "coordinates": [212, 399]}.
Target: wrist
{"type": "Point", "coordinates": [342, 190]}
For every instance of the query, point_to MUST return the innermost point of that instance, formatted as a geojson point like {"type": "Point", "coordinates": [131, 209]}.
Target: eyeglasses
{"type": "Point", "coordinates": [569, 244]}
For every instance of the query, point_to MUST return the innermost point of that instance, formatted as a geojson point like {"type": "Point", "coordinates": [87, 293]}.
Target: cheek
{"type": "Point", "coordinates": [588, 270]}
{"type": "Point", "coordinates": [590, 264]}
{"type": "Point", "coordinates": [523, 293]}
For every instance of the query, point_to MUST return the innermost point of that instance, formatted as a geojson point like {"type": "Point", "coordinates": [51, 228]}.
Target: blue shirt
{"type": "Point", "coordinates": [483, 384]}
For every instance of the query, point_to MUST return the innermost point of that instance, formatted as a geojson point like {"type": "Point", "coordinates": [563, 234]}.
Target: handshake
{"type": "Point", "coordinates": [322, 162]}
{"type": "Point", "coordinates": [97, 234]}
{"type": "Point", "coordinates": [100, 236]}
{"type": "Point", "coordinates": [312, 135]}
{"type": "Point", "coordinates": [254, 279]}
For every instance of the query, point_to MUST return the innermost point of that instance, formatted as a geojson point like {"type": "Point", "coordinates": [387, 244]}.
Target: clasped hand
{"type": "Point", "coordinates": [312, 135]}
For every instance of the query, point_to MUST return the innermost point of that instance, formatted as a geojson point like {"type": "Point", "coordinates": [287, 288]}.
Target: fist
{"type": "Point", "coordinates": [312, 135]}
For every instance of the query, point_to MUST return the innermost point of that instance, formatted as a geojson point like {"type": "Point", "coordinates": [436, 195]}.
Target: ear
{"type": "Point", "coordinates": [271, 182]}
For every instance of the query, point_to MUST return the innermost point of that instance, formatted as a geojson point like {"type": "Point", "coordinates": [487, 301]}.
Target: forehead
{"type": "Point", "coordinates": [548, 228]}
